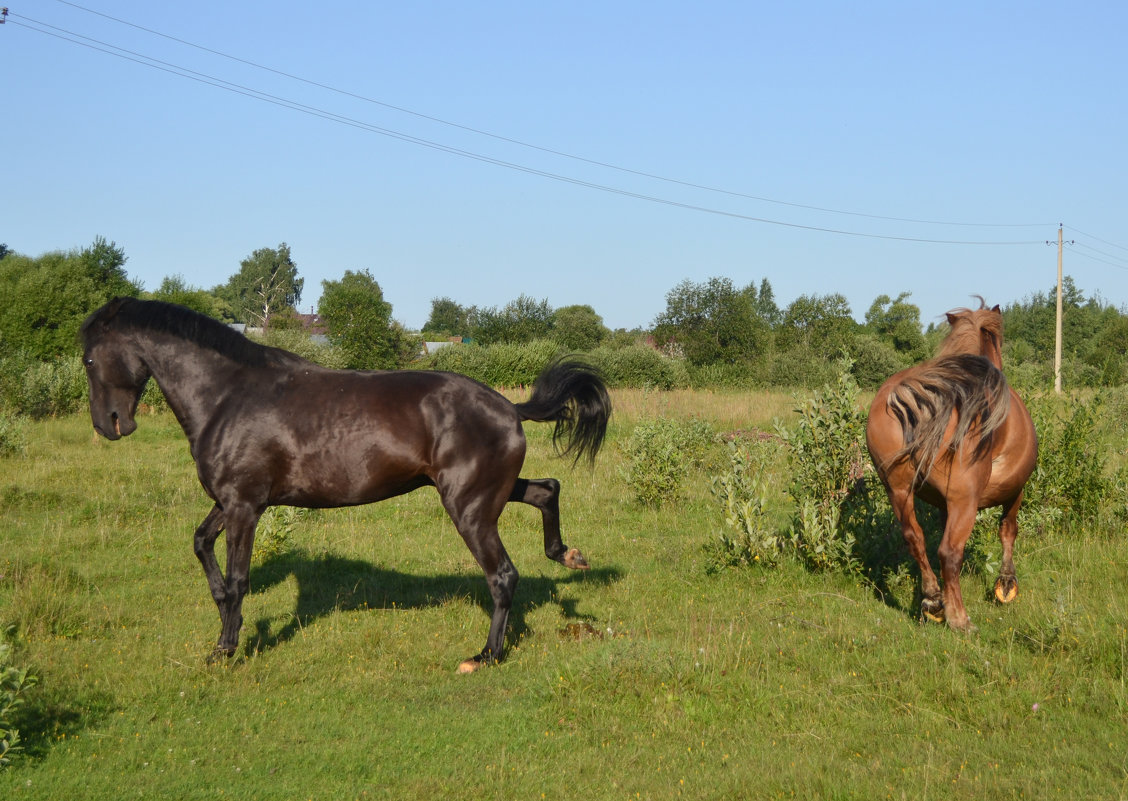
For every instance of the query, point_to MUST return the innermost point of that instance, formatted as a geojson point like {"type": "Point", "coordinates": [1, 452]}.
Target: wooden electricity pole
{"type": "Point", "coordinates": [1057, 326]}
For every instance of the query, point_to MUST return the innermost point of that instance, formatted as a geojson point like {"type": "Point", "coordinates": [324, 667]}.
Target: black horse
{"type": "Point", "coordinates": [268, 428]}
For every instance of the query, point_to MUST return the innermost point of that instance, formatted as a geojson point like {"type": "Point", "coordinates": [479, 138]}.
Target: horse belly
{"type": "Point", "coordinates": [351, 470]}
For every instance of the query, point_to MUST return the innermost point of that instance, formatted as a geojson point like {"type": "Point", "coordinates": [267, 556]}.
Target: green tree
{"type": "Point", "coordinates": [897, 322]}
{"type": "Point", "coordinates": [174, 289]}
{"type": "Point", "coordinates": [522, 320]}
{"type": "Point", "coordinates": [267, 283]}
{"type": "Point", "coordinates": [819, 324]}
{"type": "Point", "coordinates": [47, 298]}
{"type": "Point", "coordinates": [765, 305]}
{"type": "Point", "coordinates": [713, 322]}
{"type": "Point", "coordinates": [449, 318]}
{"type": "Point", "coordinates": [360, 322]}
{"type": "Point", "coordinates": [578, 328]}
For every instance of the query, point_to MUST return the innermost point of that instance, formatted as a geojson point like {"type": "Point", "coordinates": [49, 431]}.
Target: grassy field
{"type": "Point", "coordinates": [646, 678]}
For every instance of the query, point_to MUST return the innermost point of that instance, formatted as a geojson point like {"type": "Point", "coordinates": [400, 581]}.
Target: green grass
{"type": "Point", "coordinates": [645, 678]}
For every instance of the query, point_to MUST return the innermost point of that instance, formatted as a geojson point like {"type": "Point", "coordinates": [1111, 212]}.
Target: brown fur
{"type": "Point", "coordinates": [953, 431]}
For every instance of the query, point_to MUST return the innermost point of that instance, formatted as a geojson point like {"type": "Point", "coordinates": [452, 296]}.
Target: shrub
{"type": "Point", "coordinates": [740, 375]}
{"type": "Point", "coordinates": [825, 457]}
{"type": "Point", "coordinates": [660, 453]}
{"type": "Point", "coordinates": [13, 434]}
{"type": "Point", "coordinates": [874, 361]}
{"type": "Point", "coordinates": [299, 342]}
{"type": "Point", "coordinates": [1069, 485]}
{"type": "Point", "coordinates": [826, 453]}
{"type": "Point", "coordinates": [501, 365]}
{"type": "Point", "coordinates": [748, 538]}
{"type": "Point", "coordinates": [273, 536]}
{"type": "Point", "coordinates": [44, 389]}
{"type": "Point", "coordinates": [14, 684]}
{"type": "Point", "coordinates": [801, 367]}
{"type": "Point", "coordinates": [640, 367]}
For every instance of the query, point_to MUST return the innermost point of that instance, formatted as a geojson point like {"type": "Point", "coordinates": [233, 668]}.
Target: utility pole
{"type": "Point", "coordinates": [1057, 326]}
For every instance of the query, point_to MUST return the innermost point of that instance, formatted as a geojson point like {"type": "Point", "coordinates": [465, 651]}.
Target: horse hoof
{"type": "Point", "coordinates": [220, 655]}
{"type": "Point", "coordinates": [575, 560]}
{"type": "Point", "coordinates": [932, 610]}
{"type": "Point", "coordinates": [1006, 590]}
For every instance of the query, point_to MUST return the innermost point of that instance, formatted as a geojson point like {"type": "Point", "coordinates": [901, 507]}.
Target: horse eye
{"type": "Point", "coordinates": [88, 362]}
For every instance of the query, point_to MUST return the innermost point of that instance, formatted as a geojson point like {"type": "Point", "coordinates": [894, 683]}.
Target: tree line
{"type": "Point", "coordinates": [717, 332]}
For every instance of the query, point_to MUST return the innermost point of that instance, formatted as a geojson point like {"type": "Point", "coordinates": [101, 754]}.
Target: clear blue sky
{"type": "Point", "coordinates": [656, 142]}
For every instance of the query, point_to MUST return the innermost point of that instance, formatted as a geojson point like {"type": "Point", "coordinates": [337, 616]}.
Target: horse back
{"type": "Point", "coordinates": [999, 464]}
{"type": "Point", "coordinates": [317, 437]}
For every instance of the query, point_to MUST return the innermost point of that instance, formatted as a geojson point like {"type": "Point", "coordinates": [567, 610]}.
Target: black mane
{"type": "Point", "coordinates": [184, 323]}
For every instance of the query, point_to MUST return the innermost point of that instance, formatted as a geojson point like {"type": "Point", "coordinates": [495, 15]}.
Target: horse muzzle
{"type": "Point", "coordinates": [115, 427]}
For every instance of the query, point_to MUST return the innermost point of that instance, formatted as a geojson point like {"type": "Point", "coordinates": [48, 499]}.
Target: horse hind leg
{"type": "Point", "coordinates": [1006, 586]}
{"type": "Point", "coordinates": [961, 520]}
{"type": "Point", "coordinates": [544, 494]}
{"type": "Point", "coordinates": [485, 544]}
{"type": "Point", "coordinates": [932, 603]}
{"type": "Point", "coordinates": [475, 510]}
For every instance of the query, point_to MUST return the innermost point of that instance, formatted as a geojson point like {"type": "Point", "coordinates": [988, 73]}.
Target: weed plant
{"type": "Point", "coordinates": [660, 453]}
{"type": "Point", "coordinates": [15, 682]}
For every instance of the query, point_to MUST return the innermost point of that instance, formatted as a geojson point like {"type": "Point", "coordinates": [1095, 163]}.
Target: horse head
{"type": "Point", "coordinates": [977, 331]}
{"type": "Point", "coordinates": [115, 373]}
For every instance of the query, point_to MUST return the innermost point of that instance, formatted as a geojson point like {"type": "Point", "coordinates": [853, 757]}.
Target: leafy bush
{"type": "Point", "coordinates": [741, 375]}
{"type": "Point", "coordinates": [640, 367]}
{"type": "Point", "coordinates": [40, 389]}
{"type": "Point", "coordinates": [1069, 485]}
{"type": "Point", "coordinates": [299, 342]}
{"type": "Point", "coordinates": [874, 361]}
{"type": "Point", "coordinates": [827, 456]}
{"type": "Point", "coordinates": [660, 453]}
{"type": "Point", "coordinates": [14, 684]}
{"type": "Point", "coordinates": [275, 530]}
{"type": "Point", "coordinates": [743, 495]}
{"type": "Point", "coordinates": [800, 366]}
{"type": "Point", "coordinates": [13, 434]}
{"type": "Point", "coordinates": [501, 365]}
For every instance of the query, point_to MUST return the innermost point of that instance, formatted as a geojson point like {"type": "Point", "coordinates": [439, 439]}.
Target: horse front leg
{"type": "Point", "coordinates": [204, 547]}
{"type": "Point", "coordinates": [544, 494]}
{"type": "Point", "coordinates": [1006, 586]}
{"type": "Point", "coordinates": [240, 525]}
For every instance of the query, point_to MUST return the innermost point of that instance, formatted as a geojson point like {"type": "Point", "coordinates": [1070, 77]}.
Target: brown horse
{"type": "Point", "coordinates": [268, 428]}
{"type": "Point", "coordinates": [952, 431]}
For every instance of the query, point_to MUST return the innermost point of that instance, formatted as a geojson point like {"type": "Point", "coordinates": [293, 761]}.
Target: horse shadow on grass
{"type": "Point", "coordinates": [329, 583]}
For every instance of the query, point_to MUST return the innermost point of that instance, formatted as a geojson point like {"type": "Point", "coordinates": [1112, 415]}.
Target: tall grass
{"type": "Point", "coordinates": [646, 677]}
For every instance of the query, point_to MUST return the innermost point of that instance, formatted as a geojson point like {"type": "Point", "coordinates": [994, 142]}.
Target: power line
{"type": "Point", "coordinates": [1103, 241]}
{"type": "Point", "coordinates": [219, 83]}
{"type": "Point", "coordinates": [551, 151]}
{"type": "Point", "coordinates": [1102, 261]}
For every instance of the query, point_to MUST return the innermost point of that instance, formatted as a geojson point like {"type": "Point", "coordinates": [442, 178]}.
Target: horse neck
{"type": "Point", "coordinates": [974, 341]}
{"type": "Point", "coordinates": [193, 378]}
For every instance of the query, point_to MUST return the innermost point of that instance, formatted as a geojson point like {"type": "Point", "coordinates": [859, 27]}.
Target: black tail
{"type": "Point", "coordinates": [575, 396]}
